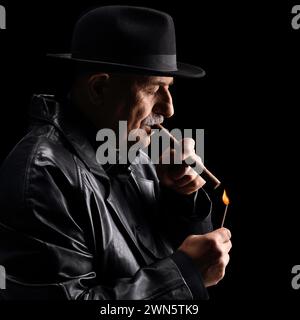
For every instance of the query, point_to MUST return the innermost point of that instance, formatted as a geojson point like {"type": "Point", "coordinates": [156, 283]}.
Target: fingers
{"type": "Point", "coordinates": [176, 174]}
{"type": "Point", "coordinates": [220, 243]}
{"type": "Point", "coordinates": [210, 253]}
{"type": "Point", "coordinates": [221, 264]}
{"type": "Point", "coordinates": [180, 171]}
{"type": "Point", "coordinates": [188, 147]}
{"type": "Point", "coordinates": [191, 186]}
{"type": "Point", "coordinates": [217, 271]}
{"type": "Point", "coordinates": [222, 234]}
{"type": "Point", "coordinates": [177, 155]}
{"type": "Point", "coordinates": [187, 180]}
{"type": "Point", "coordinates": [227, 246]}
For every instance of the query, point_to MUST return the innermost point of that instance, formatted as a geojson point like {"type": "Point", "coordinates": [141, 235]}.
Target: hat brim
{"type": "Point", "coordinates": [184, 70]}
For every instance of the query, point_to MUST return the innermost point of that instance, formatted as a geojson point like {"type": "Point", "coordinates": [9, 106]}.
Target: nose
{"type": "Point", "coordinates": [164, 104]}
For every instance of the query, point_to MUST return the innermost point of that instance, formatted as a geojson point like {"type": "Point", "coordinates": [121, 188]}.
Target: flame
{"type": "Point", "coordinates": [225, 198]}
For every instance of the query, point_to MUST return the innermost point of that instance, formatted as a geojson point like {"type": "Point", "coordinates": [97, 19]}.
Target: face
{"type": "Point", "coordinates": [142, 101]}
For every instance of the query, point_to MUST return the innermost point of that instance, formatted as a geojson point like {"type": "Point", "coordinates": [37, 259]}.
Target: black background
{"type": "Point", "coordinates": [247, 105]}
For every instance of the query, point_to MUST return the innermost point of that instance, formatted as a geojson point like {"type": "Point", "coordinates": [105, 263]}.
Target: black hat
{"type": "Point", "coordinates": [128, 39]}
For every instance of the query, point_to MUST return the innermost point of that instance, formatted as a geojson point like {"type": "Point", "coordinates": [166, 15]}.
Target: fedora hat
{"type": "Point", "coordinates": [128, 39]}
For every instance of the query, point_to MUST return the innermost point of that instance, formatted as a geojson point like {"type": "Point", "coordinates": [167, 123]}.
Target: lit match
{"type": "Point", "coordinates": [226, 202]}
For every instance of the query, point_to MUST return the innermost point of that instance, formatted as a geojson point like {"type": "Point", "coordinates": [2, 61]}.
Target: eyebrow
{"type": "Point", "coordinates": [160, 83]}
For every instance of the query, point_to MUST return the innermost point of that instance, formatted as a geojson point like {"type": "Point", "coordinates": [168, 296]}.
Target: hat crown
{"type": "Point", "coordinates": [119, 33]}
{"type": "Point", "coordinates": [127, 39]}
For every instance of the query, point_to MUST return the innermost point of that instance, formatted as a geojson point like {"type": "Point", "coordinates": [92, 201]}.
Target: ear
{"type": "Point", "coordinates": [96, 86]}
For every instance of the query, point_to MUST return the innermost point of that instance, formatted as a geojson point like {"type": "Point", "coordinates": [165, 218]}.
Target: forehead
{"type": "Point", "coordinates": [154, 80]}
{"type": "Point", "coordinates": [137, 82]}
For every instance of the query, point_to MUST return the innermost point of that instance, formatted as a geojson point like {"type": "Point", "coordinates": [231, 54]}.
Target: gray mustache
{"type": "Point", "coordinates": [153, 119]}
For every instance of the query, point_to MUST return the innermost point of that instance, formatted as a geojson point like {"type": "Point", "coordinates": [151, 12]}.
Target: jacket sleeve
{"type": "Point", "coordinates": [47, 254]}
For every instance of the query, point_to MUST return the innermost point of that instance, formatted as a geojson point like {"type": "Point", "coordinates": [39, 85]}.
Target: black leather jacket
{"type": "Point", "coordinates": [69, 229]}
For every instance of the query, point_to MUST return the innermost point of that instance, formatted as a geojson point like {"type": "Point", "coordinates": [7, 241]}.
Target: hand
{"type": "Point", "coordinates": [210, 253]}
{"type": "Point", "coordinates": [180, 177]}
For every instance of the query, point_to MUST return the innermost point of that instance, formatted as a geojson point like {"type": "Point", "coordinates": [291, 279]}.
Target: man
{"type": "Point", "coordinates": [71, 228]}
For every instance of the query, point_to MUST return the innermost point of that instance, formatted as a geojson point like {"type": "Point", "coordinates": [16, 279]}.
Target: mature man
{"type": "Point", "coordinates": [71, 228]}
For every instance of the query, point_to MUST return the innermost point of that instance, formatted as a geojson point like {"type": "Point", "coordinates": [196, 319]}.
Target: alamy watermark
{"type": "Point", "coordinates": [2, 278]}
{"type": "Point", "coordinates": [295, 22]}
{"type": "Point", "coordinates": [124, 148]}
{"type": "Point", "coordinates": [2, 17]}
{"type": "Point", "coordinates": [296, 278]}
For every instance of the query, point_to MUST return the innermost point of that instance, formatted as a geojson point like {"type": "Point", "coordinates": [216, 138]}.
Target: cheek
{"type": "Point", "coordinates": [139, 113]}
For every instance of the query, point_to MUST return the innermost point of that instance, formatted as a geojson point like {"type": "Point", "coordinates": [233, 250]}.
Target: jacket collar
{"type": "Point", "coordinates": [45, 108]}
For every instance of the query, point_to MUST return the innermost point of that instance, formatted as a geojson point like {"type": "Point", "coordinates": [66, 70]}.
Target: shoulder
{"type": "Point", "coordinates": [39, 156]}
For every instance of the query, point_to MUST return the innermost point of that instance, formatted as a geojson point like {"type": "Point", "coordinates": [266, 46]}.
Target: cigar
{"type": "Point", "coordinates": [194, 162]}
